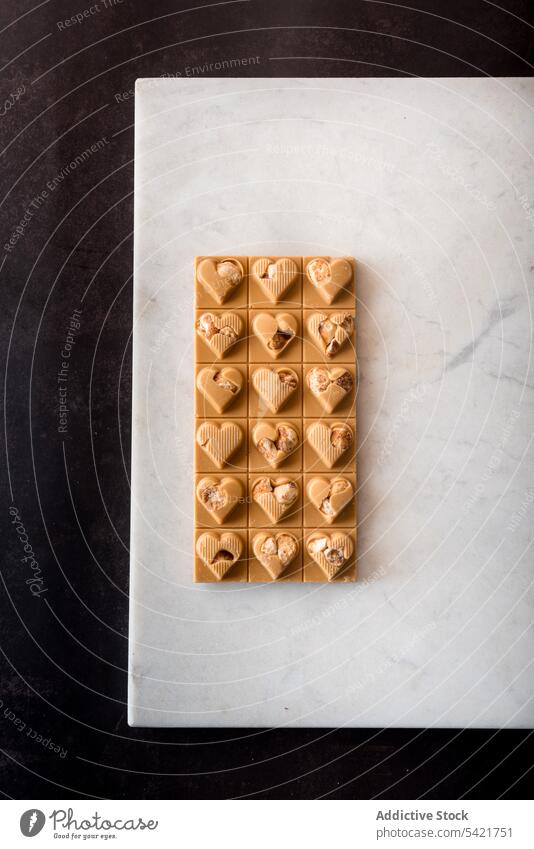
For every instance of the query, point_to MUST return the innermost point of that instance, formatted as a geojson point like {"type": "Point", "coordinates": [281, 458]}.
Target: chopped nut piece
{"type": "Point", "coordinates": [285, 493]}
{"type": "Point", "coordinates": [229, 271]}
{"type": "Point", "coordinates": [326, 507]}
{"type": "Point", "coordinates": [284, 547]}
{"type": "Point", "coordinates": [207, 328]}
{"type": "Point", "coordinates": [345, 381]}
{"type": "Point", "coordinates": [335, 556]}
{"type": "Point", "coordinates": [287, 377]}
{"type": "Point", "coordinates": [262, 485]}
{"type": "Point", "coordinates": [341, 437]}
{"type": "Point", "coordinates": [206, 325]}
{"type": "Point", "coordinates": [269, 546]}
{"type": "Point", "coordinates": [332, 348]}
{"type": "Point", "coordinates": [267, 448]}
{"type": "Point", "coordinates": [318, 544]}
{"type": "Point", "coordinates": [223, 556]}
{"type": "Point", "coordinates": [212, 497]}
{"type": "Point", "coordinates": [280, 339]}
{"type": "Point", "coordinates": [224, 383]}
{"type": "Point", "coordinates": [269, 272]}
{"type": "Point", "coordinates": [287, 548]}
{"type": "Point", "coordinates": [206, 320]}
{"type": "Point", "coordinates": [339, 486]}
{"type": "Point", "coordinates": [347, 323]}
{"type": "Point", "coordinates": [319, 271]}
{"type": "Point", "coordinates": [326, 330]}
{"type": "Point", "coordinates": [318, 379]}
{"type": "Point", "coordinates": [229, 332]}
{"type": "Point", "coordinates": [335, 488]}
{"type": "Point", "coordinates": [287, 439]}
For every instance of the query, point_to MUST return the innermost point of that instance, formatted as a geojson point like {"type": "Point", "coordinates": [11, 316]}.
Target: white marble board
{"type": "Point", "coordinates": [429, 184]}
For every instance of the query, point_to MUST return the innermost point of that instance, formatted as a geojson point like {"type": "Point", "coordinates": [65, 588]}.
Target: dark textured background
{"type": "Point", "coordinates": [64, 655]}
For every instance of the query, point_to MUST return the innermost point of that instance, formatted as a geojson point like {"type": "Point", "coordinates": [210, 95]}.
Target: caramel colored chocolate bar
{"type": "Point", "coordinates": [275, 430]}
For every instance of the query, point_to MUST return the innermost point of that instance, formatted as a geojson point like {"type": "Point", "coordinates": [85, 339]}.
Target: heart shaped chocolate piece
{"type": "Point", "coordinates": [275, 332]}
{"type": "Point", "coordinates": [330, 332]}
{"type": "Point", "coordinates": [219, 441]}
{"type": "Point", "coordinates": [219, 496]}
{"type": "Point", "coordinates": [275, 551]}
{"type": "Point", "coordinates": [329, 276]}
{"type": "Point", "coordinates": [329, 385]}
{"type": "Point", "coordinates": [275, 276]}
{"type": "Point", "coordinates": [274, 385]}
{"type": "Point", "coordinates": [275, 441]}
{"type": "Point", "coordinates": [330, 496]}
{"type": "Point", "coordinates": [220, 277]}
{"type": "Point", "coordinates": [220, 332]}
{"type": "Point", "coordinates": [275, 496]}
{"type": "Point", "coordinates": [330, 552]}
{"type": "Point", "coordinates": [220, 386]}
{"type": "Point", "coordinates": [219, 552]}
{"type": "Point", "coordinates": [330, 442]}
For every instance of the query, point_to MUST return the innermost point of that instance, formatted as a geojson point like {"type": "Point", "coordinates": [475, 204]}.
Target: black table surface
{"type": "Point", "coordinates": [68, 71]}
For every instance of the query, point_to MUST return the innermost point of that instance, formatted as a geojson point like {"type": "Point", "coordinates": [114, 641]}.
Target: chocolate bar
{"type": "Point", "coordinates": [275, 430]}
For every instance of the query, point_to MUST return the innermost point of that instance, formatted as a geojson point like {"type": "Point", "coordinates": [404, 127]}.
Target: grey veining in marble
{"type": "Point", "coordinates": [429, 184]}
